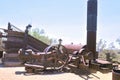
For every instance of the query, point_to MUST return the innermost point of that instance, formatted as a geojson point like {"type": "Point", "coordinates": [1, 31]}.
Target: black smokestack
{"type": "Point", "coordinates": [92, 25]}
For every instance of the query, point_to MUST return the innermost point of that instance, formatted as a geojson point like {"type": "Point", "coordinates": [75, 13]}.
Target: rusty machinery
{"type": "Point", "coordinates": [91, 45]}
{"type": "Point", "coordinates": [53, 57]}
{"type": "Point", "coordinates": [4, 34]}
{"type": "Point", "coordinates": [58, 56]}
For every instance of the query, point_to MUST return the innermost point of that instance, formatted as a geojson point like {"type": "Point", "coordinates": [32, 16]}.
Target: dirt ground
{"type": "Point", "coordinates": [18, 73]}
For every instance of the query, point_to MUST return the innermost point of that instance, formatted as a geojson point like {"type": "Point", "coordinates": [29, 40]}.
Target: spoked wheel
{"type": "Point", "coordinates": [59, 56]}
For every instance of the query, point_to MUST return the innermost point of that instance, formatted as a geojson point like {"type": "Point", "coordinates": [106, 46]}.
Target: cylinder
{"type": "Point", "coordinates": [92, 26]}
{"type": "Point", "coordinates": [91, 43]}
{"type": "Point", "coordinates": [115, 74]}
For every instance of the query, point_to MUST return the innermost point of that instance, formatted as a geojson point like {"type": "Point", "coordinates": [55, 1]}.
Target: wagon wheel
{"type": "Point", "coordinates": [59, 54]}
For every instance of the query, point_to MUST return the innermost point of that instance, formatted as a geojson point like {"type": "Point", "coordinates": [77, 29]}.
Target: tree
{"type": "Point", "coordinates": [118, 40]}
{"type": "Point", "coordinates": [39, 34]}
{"type": "Point", "coordinates": [101, 45]}
{"type": "Point", "coordinates": [111, 46]}
{"type": "Point", "coordinates": [109, 53]}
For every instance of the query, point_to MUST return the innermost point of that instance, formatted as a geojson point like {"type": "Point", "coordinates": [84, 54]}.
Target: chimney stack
{"type": "Point", "coordinates": [92, 26]}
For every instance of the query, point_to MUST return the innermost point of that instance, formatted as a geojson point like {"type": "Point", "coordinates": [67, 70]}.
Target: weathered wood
{"type": "Point", "coordinates": [12, 63]}
{"type": "Point", "coordinates": [10, 44]}
{"type": "Point", "coordinates": [34, 66]}
{"type": "Point", "coordinates": [19, 36]}
{"type": "Point", "coordinates": [39, 45]}
{"type": "Point", "coordinates": [15, 41]}
{"type": "Point", "coordinates": [15, 33]}
{"type": "Point", "coordinates": [31, 47]}
{"type": "Point", "coordinates": [12, 50]}
{"type": "Point", "coordinates": [103, 61]}
{"type": "Point", "coordinates": [12, 55]}
{"type": "Point", "coordinates": [11, 60]}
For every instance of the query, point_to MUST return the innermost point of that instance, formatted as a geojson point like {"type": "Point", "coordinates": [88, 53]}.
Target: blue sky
{"type": "Point", "coordinates": [64, 19]}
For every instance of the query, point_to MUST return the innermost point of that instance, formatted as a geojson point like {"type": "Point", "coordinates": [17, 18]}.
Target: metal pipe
{"type": "Point", "coordinates": [92, 26]}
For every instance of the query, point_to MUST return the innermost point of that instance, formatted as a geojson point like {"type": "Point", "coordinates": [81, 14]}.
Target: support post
{"type": "Point", "coordinates": [9, 26]}
{"type": "Point", "coordinates": [25, 41]}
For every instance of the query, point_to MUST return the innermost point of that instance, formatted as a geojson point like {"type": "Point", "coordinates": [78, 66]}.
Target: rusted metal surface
{"type": "Point", "coordinates": [71, 47]}
{"type": "Point", "coordinates": [115, 74]}
{"type": "Point", "coordinates": [54, 56]}
{"type": "Point", "coordinates": [91, 43]}
{"type": "Point", "coordinates": [92, 26]}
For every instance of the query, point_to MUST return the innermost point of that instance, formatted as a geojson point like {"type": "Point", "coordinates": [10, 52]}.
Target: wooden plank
{"type": "Point", "coordinates": [12, 64]}
{"type": "Point", "coordinates": [12, 55]}
{"type": "Point", "coordinates": [103, 61]}
{"type": "Point", "coordinates": [39, 45]}
{"type": "Point", "coordinates": [10, 44]}
{"type": "Point", "coordinates": [15, 39]}
{"type": "Point", "coordinates": [34, 66]}
{"type": "Point", "coordinates": [15, 33]}
{"type": "Point", "coordinates": [11, 50]}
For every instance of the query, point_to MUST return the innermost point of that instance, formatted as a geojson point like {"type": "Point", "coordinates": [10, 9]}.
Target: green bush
{"type": "Point", "coordinates": [109, 55]}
